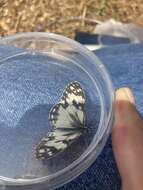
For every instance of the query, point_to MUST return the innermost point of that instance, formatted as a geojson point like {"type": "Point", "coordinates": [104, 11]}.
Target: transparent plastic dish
{"type": "Point", "coordinates": [34, 70]}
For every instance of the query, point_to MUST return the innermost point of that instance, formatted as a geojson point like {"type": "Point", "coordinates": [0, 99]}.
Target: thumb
{"type": "Point", "coordinates": [127, 140]}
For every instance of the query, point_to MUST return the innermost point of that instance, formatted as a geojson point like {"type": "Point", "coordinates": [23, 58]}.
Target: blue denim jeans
{"type": "Point", "coordinates": [125, 65]}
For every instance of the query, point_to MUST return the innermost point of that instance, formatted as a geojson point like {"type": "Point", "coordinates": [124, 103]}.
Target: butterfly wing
{"type": "Point", "coordinates": [70, 107]}
{"type": "Point", "coordinates": [73, 93]}
{"type": "Point", "coordinates": [55, 142]}
{"type": "Point", "coordinates": [68, 119]}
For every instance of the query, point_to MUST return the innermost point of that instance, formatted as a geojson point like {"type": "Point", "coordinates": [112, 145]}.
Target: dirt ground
{"type": "Point", "coordinates": [65, 16]}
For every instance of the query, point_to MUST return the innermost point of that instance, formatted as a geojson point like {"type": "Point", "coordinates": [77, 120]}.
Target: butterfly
{"type": "Point", "coordinates": [67, 118]}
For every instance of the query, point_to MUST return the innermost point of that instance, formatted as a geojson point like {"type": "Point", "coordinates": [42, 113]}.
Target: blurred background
{"type": "Point", "coordinates": [65, 16]}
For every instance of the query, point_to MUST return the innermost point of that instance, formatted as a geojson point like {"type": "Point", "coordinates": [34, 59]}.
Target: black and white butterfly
{"type": "Point", "coordinates": [68, 120]}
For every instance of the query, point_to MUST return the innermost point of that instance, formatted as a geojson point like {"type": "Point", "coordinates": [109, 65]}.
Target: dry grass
{"type": "Point", "coordinates": [62, 16]}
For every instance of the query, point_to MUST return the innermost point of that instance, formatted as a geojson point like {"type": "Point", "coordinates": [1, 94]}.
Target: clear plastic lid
{"type": "Point", "coordinates": [34, 71]}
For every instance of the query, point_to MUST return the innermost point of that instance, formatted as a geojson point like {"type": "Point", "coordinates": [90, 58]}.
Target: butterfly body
{"type": "Point", "coordinates": [68, 121]}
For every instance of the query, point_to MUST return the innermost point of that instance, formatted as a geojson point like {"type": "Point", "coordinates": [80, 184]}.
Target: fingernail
{"type": "Point", "coordinates": [124, 106]}
{"type": "Point", "coordinates": [125, 94]}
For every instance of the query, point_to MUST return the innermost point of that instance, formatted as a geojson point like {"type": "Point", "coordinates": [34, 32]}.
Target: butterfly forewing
{"type": "Point", "coordinates": [73, 93]}
{"type": "Point", "coordinates": [68, 119]}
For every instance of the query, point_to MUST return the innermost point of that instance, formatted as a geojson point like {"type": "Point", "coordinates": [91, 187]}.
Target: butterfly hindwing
{"type": "Point", "coordinates": [55, 142]}
{"type": "Point", "coordinates": [68, 120]}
